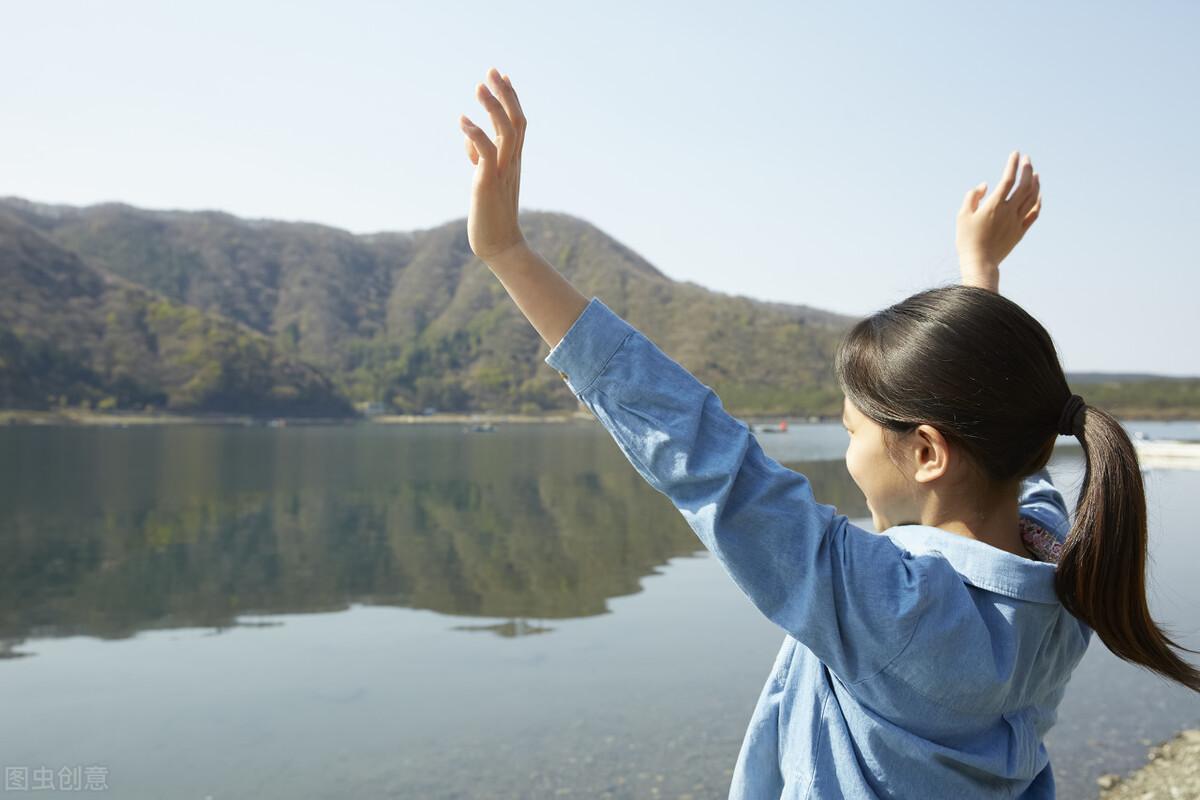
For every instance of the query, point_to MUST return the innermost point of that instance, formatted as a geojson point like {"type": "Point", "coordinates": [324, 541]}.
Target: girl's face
{"type": "Point", "coordinates": [891, 495]}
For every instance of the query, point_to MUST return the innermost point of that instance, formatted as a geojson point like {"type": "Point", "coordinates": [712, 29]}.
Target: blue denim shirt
{"type": "Point", "coordinates": [917, 663]}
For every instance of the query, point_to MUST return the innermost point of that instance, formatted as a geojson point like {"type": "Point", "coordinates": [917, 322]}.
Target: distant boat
{"type": "Point", "coordinates": [277, 423]}
{"type": "Point", "coordinates": [484, 427]}
{"type": "Point", "coordinates": [780, 428]}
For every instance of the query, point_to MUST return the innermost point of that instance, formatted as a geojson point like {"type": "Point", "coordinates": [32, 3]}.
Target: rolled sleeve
{"type": "Point", "coordinates": [851, 596]}
{"type": "Point", "coordinates": [586, 347]}
{"type": "Point", "coordinates": [1041, 501]}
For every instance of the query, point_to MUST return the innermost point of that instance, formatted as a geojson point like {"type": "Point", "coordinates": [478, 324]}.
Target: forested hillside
{"type": "Point", "coordinates": [72, 335]}
{"type": "Point", "coordinates": [204, 311]}
{"type": "Point", "coordinates": [414, 320]}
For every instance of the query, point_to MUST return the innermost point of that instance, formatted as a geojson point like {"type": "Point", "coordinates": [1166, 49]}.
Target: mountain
{"type": "Point", "coordinates": [72, 334]}
{"type": "Point", "coordinates": [413, 319]}
{"type": "Point", "coordinates": [416, 320]}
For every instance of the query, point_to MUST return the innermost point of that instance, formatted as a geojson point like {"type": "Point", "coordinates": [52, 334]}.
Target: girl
{"type": "Point", "coordinates": [927, 661]}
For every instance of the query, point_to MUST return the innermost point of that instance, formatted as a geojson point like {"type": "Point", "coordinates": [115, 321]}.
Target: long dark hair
{"type": "Point", "coordinates": [982, 371]}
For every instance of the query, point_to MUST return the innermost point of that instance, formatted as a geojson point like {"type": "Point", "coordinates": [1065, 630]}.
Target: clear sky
{"type": "Point", "coordinates": [796, 152]}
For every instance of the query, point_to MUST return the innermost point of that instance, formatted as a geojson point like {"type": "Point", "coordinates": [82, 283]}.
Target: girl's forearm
{"type": "Point", "coordinates": [548, 300]}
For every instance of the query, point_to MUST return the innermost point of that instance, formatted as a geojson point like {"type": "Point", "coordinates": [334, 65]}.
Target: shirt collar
{"type": "Point", "coordinates": [981, 564]}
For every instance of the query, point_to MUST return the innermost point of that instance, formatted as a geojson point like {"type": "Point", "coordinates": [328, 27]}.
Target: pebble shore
{"type": "Point", "coordinates": [1171, 773]}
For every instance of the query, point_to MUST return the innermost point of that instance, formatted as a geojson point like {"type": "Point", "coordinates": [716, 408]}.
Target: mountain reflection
{"type": "Point", "coordinates": [109, 532]}
{"type": "Point", "coordinates": [514, 627]}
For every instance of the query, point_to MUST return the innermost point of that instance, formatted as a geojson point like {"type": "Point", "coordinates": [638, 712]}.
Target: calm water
{"type": "Point", "coordinates": [411, 611]}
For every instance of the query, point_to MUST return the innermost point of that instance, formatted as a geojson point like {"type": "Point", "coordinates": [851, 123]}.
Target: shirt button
{"type": "Point", "coordinates": [562, 374]}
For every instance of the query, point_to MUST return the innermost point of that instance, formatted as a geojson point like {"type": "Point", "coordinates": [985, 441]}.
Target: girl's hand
{"type": "Point", "coordinates": [492, 224]}
{"type": "Point", "coordinates": [988, 231]}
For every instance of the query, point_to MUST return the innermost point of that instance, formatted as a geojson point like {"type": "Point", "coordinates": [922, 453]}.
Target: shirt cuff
{"type": "Point", "coordinates": [585, 349]}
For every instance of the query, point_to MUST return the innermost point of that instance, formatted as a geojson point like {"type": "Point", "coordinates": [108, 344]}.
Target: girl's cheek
{"type": "Point", "coordinates": [852, 465]}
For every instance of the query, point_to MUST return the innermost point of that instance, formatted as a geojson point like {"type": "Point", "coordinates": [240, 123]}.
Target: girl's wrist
{"type": "Point", "coordinates": [978, 266]}
{"type": "Point", "coordinates": [518, 252]}
{"type": "Point", "coordinates": [978, 270]}
{"type": "Point", "coordinates": [985, 278]}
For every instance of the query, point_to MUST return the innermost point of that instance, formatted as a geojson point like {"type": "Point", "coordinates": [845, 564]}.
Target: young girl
{"type": "Point", "coordinates": [927, 661]}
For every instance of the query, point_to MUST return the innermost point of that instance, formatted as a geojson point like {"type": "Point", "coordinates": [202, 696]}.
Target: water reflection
{"type": "Point", "coordinates": [107, 533]}
{"type": "Point", "coordinates": [617, 659]}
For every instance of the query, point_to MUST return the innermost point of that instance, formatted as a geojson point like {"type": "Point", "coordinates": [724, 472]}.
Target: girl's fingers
{"type": "Point", "coordinates": [505, 133]}
{"type": "Point", "coordinates": [483, 145]}
{"type": "Point", "coordinates": [974, 195]}
{"type": "Point", "coordinates": [1029, 196]}
{"type": "Point", "coordinates": [504, 92]}
{"type": "Point", "coordinates": [966, 203]}
{"type": "Point", "coordinates": [1026, 189]}
{"type": "Point", "coordinates": [516, 100]}
{"type": "Point", "coordinates": [519, 117]}
{"type": "Point", "coordinates": [1007, 179]}
{"type": "Point", "coordinates": [1033, 213]}
{"type": "Point", "coordinates": [472, 153]}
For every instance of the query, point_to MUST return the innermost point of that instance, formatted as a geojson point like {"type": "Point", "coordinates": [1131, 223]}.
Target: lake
{"type": "Point", "coordinates": [200, 611]}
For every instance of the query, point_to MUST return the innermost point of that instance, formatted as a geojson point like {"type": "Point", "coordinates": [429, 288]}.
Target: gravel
{"type": "Point", "coordinates": [1172, 773]}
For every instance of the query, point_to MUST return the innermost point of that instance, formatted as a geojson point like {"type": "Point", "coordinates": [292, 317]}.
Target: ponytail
{"type": "Point", "coordinates": [1101, 576]}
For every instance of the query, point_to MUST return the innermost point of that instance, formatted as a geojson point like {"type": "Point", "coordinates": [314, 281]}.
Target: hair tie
{"type": "Point", "coordinates": [1066, 422]}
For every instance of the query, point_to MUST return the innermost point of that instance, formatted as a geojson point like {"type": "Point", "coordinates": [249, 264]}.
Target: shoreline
{"type": "Point", "coordinates": [118, 419]}
{"type": "Point", "coordinates": [128, 418]}
{"type": "Point", "coordinates": [1172, 770]}
{"type": "Point", "coordinates": [426, 419]}
{"type": "Point", "coordinates": [76, 417]}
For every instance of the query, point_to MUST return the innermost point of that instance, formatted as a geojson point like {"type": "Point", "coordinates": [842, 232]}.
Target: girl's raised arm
{"type": "Point", "coordinates": [986, 231]}
{"type": "Point", "coordinates": [852, 597]}
{"type": "Point", "coordinates": [546, 298]}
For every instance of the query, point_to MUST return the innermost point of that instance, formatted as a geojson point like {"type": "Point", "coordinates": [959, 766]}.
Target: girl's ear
{"type": "Point", "coordinates": [931, 453]}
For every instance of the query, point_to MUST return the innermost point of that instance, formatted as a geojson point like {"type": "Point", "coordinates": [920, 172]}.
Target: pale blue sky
{"type": "Point", "coordinates": [792, 152]}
